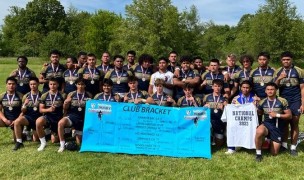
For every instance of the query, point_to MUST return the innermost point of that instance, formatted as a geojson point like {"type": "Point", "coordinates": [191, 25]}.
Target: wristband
{"type": "Point", "coordinates": [278, 115]}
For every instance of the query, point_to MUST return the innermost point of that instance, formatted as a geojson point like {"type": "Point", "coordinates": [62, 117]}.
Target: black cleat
{"type": "Point", "coordinates": [18, 145]}
{"type": "Point", "coordinates": [283, 149]}
{"type": "Point", "coordinates": [294, 152]}
{"type": "Point", "coordinates": [258, 158]}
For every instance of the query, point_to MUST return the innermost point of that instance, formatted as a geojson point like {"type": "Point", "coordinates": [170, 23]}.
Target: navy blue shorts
{"type": "Point", "coordinates": [77, 121]}
{"type": "Point", "coordinates": [52, 123]}
{"type": "Point", "coordinates": [274, 133]}
{"type": "Point", "coordinates": [218, 126]}
{"type": "Point", "coordinates": [32, 121]}
{"type": "Point", "coordinates": [295, 108]}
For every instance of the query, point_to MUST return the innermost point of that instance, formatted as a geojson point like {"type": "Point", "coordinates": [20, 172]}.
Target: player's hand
{"type": "Point", "coordinates": [117, 98]}
{"type": "Point", "coordinates": [68, 100]}
{"type": "Point", "coordinates": [207, 105]}
{"type": "Point", "coordinates": [282, 75]}
{"type": "Point", "coordinates": [126, 99]}
{"type": "Point", "coordinates": [272, 114]}
{"type": "Point", "coordinates": [12, 124]}
{"type": "Point", "coordinates": [302, 109]}
{"type": "Point", "coordinates": [14, 74]}
{"type": "Point", "coordinates": [86, 76]}
{"type": "Point", "coordinates": [169, 99]}
{"type": "Point", "coordinates": [8, 122]}
{"type": "Point", "coordinates": [221, 106]}
{"type": "Point", "coordinates": [26, 102]}
{"type": "Point", "coordinates": [226, 77]}
{"type": "Point", "coordinates": [137, 100]}
{"type": "Point", "coordinates": [204, 83]}
{"type": "Point", "coordinates": [51, 109]}
{"type": "Point", "coordinates": [45, 64]}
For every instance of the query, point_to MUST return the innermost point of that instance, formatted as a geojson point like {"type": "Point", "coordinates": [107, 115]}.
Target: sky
{"type": "Point", "coordinates": [219, 11]}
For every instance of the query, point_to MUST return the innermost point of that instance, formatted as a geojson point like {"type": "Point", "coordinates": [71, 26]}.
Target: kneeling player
{"type": "Point", "coordinates": [159, 97]}
{"type": "Point", "coordinates": [30, 112]}
{"type": "Point", "coordinates": [275, 110]}
{"type": "Point", "coordinates": [74, 105]}
{"type": "Point", "coordinates": [51, 105]}
{"type": "Point", "coordinates": [134, 95]}
{"type": "Point", "coordinates": [188, 100]}
{"type": "Point", "coordinates": [107, 95]}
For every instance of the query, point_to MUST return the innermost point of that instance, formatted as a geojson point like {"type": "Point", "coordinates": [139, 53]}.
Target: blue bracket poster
{"type": "Point", "coordinates": [146, 129]}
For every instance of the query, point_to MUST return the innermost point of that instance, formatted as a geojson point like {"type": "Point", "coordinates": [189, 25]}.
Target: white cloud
{"type": "Point", "coordinates": [219, 11]}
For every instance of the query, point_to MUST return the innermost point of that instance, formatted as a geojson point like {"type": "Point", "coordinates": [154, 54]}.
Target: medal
{"type": "Point", "coordinates": [92, 75]}
{"type": "Point", "coordinates": [34, 100]}
{"type": "Point", "coordinates": [10, 101]}
{"type": "Point", "coordinates": [288, 84]}
{"type": "Point", "coordinates": [71, 75]}
{"type": "Point", "coordinates": [35, 108]}
{"type": "Point", "coordinates": [118, 82]}
{"type": "Point", "coordinates": [92, 82]}
{"type": "Point", "coordinates": [143, 79]}
{"type": "Point", "coordinates": [71, 83]}
{"type": "Point", "coordinates": [79, 100]}
{"type": "Point", "coordinates": [118, 76]}
{"type": "Point", "coordinates": [262, 77]}
{"type": "Point", "coordinates": [215, 111]}
{"type": "Point", "coordinates": [262, 83]}
{"type": "Point", "coordinates": [270, 109]}
{"type": "Point", "coordinates": [143, 73]}
{"type": "Point", "coordinates": [54, 70]}
{"type": "Point", "coordinates": [21, 76]}
{"type": "Point", "coordinates": [21, 84]}
{"type": "Point", "coordinates": [184, 80]}
{"type": "Point", "coordinates": [231, 82]}
{"type": "Point", "coordinates": [216, 103]}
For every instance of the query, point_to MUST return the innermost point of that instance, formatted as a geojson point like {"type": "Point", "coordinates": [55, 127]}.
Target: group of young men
{"type": "Point", "coordinates": [188, 82]}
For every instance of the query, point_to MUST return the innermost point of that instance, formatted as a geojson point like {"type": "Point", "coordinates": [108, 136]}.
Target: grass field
{"type": "Point", "coordinates": [27, 163]}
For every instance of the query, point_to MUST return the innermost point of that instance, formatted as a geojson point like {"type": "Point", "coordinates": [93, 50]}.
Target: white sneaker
{"type": "Point", "coordinates": [61, 149]}
{"type": "Point", "coordinates": [230, 151]}
{"type": "Point", "coordinates": [41, 147]}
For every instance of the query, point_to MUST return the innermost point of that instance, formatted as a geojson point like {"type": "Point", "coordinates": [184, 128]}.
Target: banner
{"type": "Point", "coordinates": [146, 129]}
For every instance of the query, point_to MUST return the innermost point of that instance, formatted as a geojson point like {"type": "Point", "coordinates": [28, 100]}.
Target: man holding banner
{"type": "Point", "coordinates": [276, 111]}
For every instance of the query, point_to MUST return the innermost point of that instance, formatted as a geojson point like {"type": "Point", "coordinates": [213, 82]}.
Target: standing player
{"type": "Point", "coordinates": [91, 75]}
{"type": "Point", "coordinates": [74, 105]}
{"type": "Point", "coordinates": [119, 77]}
{"type": "Point", "coordinates": [81, 59]}
{"type": "Point", "coordinates": [131, 55]}
{"type": "Point", "coordinates": [201, 69]}
{"type": "Point", "coordinates": [30, 112]}
{"type": "Point", "coordinates": [23, 74]}
{"type": "Point", "coordinates": [276, 111]}
{"type": "Point", "coordinates": [212, 74]}
{"type": "Point", "coordinates": [216, 102]}
{"type": "Point", "coordinates": [290, 80]}
{"type": "Point", "coordinates": [51, 105]}
{"type": "Point", "coordinates": [143, 71]}
{"type": "Point", "coordinates": [159, 97]}
{"type": "Point", "coordinates": [262, 75]}
{"type": "Point", "coordinates": [164, 74]}
{"type": "Point", "coordinates": [70, 75]}
{"type": "Point", "coordinates": [185, 76]}
{"type": "Point", "coordinates": [230, 70]}
{"type": "Point", "coordinates": [10, 104]}
{"type": "Point", "coordinates": [53, 70]}
{"type": "Point", "coordinates": [246, 62]}
{"type": "Point", "coordinates": [172, 61]}
{"type": "Point", "coordinates": [105, 63]}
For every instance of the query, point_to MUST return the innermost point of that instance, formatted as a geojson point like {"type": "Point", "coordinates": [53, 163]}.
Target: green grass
{"type": "Point", "coordinates": [27, 163]}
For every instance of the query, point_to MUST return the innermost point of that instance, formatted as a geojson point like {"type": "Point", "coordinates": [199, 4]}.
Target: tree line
{"type": "Point", "coordinates": [149, 26]}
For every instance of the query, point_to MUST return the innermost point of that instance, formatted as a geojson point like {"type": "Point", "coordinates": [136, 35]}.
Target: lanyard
{"type": "Point", "coordinates": [79, 100]}
{"type": "Point", "coordinates": [105, 99]}
{"type": "Point", "coordinates": [160, 100]}
{"type": "Point", "coordinates": [288, 76]}
{"type": "Point", "coordinates": [104, 69]}
{"type": "Point", "coordinates": [92, 74]}
{"type": "Point", "coordinates": [213, 77]}
{"type": "Point", "coordinates": [263, 77]}
{"type": "Point", "coordinates": [54, 70]}
{"type": "Point", "coordinates": [53, 99]}
{"type": "Point", "coordinates": [21, 76]}
{"type": "Point", "coordinates": [134, 98]}
{"type": "Point", "coordinates": [216, 100]}
{"type": "Point", "coordinates": [232, 72]}
{"type": "Point", "coordinates": [10, 101]}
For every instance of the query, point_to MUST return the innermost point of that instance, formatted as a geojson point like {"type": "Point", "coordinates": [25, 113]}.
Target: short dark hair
{"type": "Point", "coordinates": [22, 57]}
{"type": "Point", "coordinates": [131, 52]}
{"type": "Point", "coordinates": [265, 54]}
{"type": "Point", "coordinates": [173, 52]}
{"type": "Point", "coordinates": [215, 61]}
{"type": "Point", "coordinates": [163, 59]}
{"type": "Point", "coordinates": [246, 56]}
{"type": "Point", "coordinates": [118, 56]}
{"type": "Point", "coordinates": [11, 78]}
{"type": "Point", "coordinates": [185, 58]}
{"type": "Point", "coordinates": [79, 80]}
{"type": "Point", "coordinates": [132, 79]}
{"type": "Point", "coordinates": [197, 57]}
{"type": "Point", "coordinates": [108, 82]}
{"type": "Point", "coordinates": [82, 53]}
{"type": "Point", "coordinates": [188, 86]}
{"type": "Point", "coordinates": [218, 82]}
{"type": "Point", "coordinates": [55, 51]}
{"type": "Point", "coordinates": [34, 79]}
{"type": "Point", "coordinates": [286, 54]}
{"type": "Point", "coordinates": [74, 59]}
{"type": "Point", "coordinates": [246, 82]}
{"type": "Point", "coordinates": [145, 57]}
{"type": "Point", "coordinates": [54, 80]}
{"type": "Point", "coordinates": [273, 85]}
{"type": "Point", "coordinates": [92, 55]}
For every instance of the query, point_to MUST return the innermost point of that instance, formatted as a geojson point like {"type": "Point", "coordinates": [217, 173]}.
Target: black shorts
{"type": "Point", "coordinates": [32, 121]}
{"type": "Point", "coordinates": [51, 123]}
{"type": "Point", "coordinates": [274, 133]}
{"type": "Point", "coordinates": [295, 108]}
{"type": "Point", "coordinates": [218, 126]}
{"type": "Point", "coordinates": [77, 121]}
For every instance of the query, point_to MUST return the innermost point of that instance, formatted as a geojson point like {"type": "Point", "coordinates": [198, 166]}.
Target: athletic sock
{"type": "Point", "coordinates": [42, 140]}
{"type": "Point", "coordinates": [293, 147]}
{"type": "Point", "coordinates": [19, 140]}
{"type": "Point", "coordinates": [258, 152]}
{"type": "Point", "coordinates": [284, 144]}
{"type": "Point", "coordinates": [62, 144]}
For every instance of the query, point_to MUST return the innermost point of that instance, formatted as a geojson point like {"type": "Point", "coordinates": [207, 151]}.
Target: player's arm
{"type": "Point", "coordinates": [285, 116]}
{"type": "Point", "coordinates": [193, 81]}
{"type": "Point", "coordinates": [235, 88]}
{"type": "Point", "coordinates": [3, 118]}
{"type": "Point", "coordinates": [302, 98]}
{"type": "Point", "coordinates": [178, 82]}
